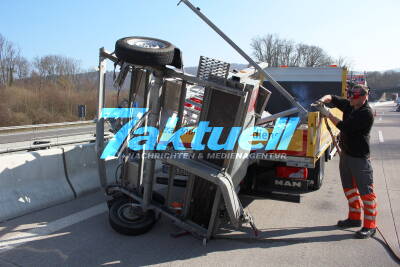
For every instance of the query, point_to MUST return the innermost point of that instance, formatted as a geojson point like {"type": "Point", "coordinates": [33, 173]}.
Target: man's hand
{"type": "Point", "coordinates": [320, 106]}
{"type": "Point", "coordinates": [325, 111]}
{"type": "Point", "coordinates": [326, 99]}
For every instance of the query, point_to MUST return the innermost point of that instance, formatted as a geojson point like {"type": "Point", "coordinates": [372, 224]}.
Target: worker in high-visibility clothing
{"type": "Point", "coordinates": [355, 166]}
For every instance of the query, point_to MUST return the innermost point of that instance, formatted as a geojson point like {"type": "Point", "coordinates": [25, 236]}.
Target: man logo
{"type": "Point", "coordinates": [288, 183]}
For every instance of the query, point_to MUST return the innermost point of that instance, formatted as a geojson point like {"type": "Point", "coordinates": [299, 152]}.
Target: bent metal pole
{"type": "Point", "coordinates": [278, 87]}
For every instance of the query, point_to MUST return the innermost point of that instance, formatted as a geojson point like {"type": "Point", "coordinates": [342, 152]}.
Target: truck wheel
{"type": "Point", "coordinates": [247, 182]}
{"type": "Point", "coordinates": [327, 153]}
{"type": "Point", "coordinates": [316, 175]}
{"type": "Point", "coordinates": [127, 218]}
{"type": "Point", "coordinates": [145, 51]}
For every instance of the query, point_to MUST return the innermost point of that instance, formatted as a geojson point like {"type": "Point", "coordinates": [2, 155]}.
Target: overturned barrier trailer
{"type": "Point", "coordinates": [210, 195]}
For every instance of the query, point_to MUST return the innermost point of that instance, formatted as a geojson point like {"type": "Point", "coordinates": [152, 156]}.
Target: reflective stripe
{"type": "Point", "coordinates": [372, 211]}
{"type": "Point", "coordinates": [354, 210]}
{"type": "Point", "coordinates": [354, 199]}
{"type": "Point", "coordinates": [351, 191]}
{"type": "Point", "coordinates": [371, 218]}
{"type": "Point", "coordinates": [370, 203]}
{"type": "Point", "coordinates": [370, 207]}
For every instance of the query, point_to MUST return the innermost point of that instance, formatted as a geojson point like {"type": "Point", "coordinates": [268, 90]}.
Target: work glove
{"type": "Point", "coordinates": [320, 106]}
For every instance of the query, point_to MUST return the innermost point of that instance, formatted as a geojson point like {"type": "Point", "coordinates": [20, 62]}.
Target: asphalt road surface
{"type": "Point", "coordinates": [78, 233]}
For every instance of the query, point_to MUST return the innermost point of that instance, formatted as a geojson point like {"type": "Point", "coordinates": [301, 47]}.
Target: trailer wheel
{"type": "Point", "coordinates": [316, 175]}
{"type": "Point", "coordinates": [147, 52]}
{"type": "Point", "coordinates": [127, 218]}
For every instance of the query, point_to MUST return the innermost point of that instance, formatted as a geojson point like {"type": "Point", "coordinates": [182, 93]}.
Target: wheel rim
{"type": "Point", "coordinates": [143, 43]}
{"type": "Point", "coordinates": [130, 212]}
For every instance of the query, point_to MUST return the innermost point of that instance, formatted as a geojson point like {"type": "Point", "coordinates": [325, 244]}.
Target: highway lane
{"type": "Point", "coordinates": [78, 234]}
{"type": "Point", "coordinates": [386, 163]}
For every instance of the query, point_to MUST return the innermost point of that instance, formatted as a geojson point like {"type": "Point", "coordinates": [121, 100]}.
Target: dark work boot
{"type": "Point", "coordinates": [365, 233]}
{"type": "Point", "coordinates": [349, 223]}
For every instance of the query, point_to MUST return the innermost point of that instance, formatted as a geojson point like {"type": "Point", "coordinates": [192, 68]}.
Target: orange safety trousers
{"type": "Point", "coordinates": [358, 202]}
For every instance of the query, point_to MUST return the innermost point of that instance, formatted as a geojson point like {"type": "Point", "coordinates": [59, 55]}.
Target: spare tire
{"type": "Point", "coordinates": [126, 217]}
{"type": "Point", "coordinates": [147, 51]}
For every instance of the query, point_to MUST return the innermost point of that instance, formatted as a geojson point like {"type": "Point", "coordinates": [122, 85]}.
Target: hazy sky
{"type": "Point", "coordinates": [367, 32]}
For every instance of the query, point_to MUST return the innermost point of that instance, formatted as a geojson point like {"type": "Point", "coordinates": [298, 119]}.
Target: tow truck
{"type": "Point", "coordinates": [301, 166]}
{"type": "Point", "coordinates": [312, 145]}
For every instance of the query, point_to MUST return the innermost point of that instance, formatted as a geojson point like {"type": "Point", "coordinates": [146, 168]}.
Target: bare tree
{"type": "Point", "coordinates": [287, 53]}
{"type": "Point", "coordinates": [343, 62]}
{"type": "Point", "coordinates": [9, 55]}
{"type": "Point", "coordinates": [383, 80]}
{"type": "Point", "coordinates": [258, 49]}
{"type": "Point", "coordinates": [22, 68]}
{"type": "Point", "coordinates": [45, 67]}
{"type": "Point", "coordinates": [51, 66]}
{"type": "Point", "coordinates": [55, 68]}
{"type": "Point", "coordinates": [264, 48]}
{"type": "Point", "coordinates": [2, 65]}
{"type": "Point", "coordinates": [277, 51]}
{"type": "Point", "coordinates": [315, 56]}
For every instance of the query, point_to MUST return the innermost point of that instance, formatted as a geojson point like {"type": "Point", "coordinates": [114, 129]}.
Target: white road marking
{"type": "Point", "coordinates": [111, 263]}
{"type": "Point", "coordinates": [379, 104]}
{"type": "Point", "coordinates": [380, 137]}
{"type": "Point", "coordinates": [15, 239]}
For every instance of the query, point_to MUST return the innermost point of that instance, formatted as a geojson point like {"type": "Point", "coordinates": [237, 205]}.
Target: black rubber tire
{"type": "Point", "coordinates": [144, 56]}
{"type": "Point", "coordinates": [317, 174]}
{"type": "Point", "coordinates": [157, 197]}
{"type": "Point", "coordinates": [327, 153]}
{"type": "Point", "coordinates": [249, 179]}
{"type": "Point", "coordinates": [127, 226]}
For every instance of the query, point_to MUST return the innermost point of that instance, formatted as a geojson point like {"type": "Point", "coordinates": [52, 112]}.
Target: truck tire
{"type": "Point", "coordinates": [327, 153]}
{"type": "Point", "coordinates": [127, 218]}
{"type": "Point", "coordinates": [147, 51]}
{"type": "Point", "coordinates": [316, 175]}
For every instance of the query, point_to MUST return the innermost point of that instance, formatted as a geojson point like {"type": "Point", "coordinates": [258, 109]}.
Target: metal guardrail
{"type": "Point", "coordinates": [33, 147]}
{"type": "Point", "coordinates": [42, 142]}
{"type": "Point", "coordinates": [43, 126]}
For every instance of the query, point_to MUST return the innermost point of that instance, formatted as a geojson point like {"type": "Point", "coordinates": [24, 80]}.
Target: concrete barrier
{"type": "Point", "coordinates": [82, 171]}
{"type": "Point", "coordinates": [32, 181]}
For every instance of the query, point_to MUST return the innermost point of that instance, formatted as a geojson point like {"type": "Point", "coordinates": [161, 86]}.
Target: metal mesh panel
{"type": "Point", "coordinates": [178, 171]}
{"type": "Point", "coordinates": [212, 67]}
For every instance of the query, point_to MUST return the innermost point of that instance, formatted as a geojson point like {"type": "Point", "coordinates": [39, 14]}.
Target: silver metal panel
{"type": "Point", "coordinates": [132, 173]}
{"type": "Point", "coordinates": [170, 105]}
{"type": "Point", "coordinates": [298, 74]}
{"type": "Point", "coordinates": [221, 179]}
{"type": "Point", "coordinates": [154, 94]}
{"type": "Point", "coordinates": [100, 121]}
{"type": "Point", "coordinates": [209, 67]}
